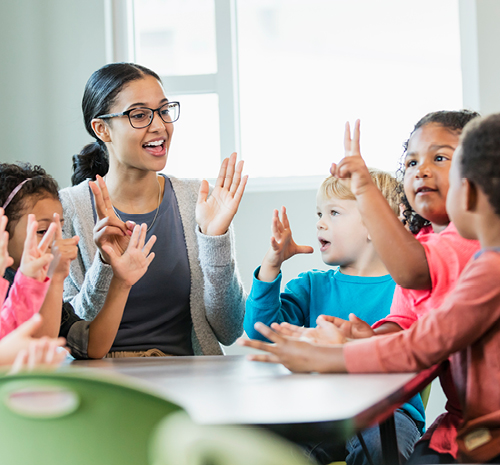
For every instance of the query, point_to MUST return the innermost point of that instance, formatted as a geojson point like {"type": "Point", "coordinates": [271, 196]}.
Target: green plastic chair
{"type": "Point", "coordinates": [77, 418]}
{"type": "Point", "coordinates": [179, 441]}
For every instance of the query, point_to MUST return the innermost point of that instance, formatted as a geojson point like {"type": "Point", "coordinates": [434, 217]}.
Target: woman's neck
{"type": "Point", "coordinates": [134, 191]}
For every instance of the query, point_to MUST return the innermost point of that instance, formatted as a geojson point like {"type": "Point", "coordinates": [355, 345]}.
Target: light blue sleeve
{"type": "Point", "coordinates": [267, 305]}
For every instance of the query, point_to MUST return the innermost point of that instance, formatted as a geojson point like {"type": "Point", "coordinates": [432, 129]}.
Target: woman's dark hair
{"type": "Point", "coordinates": [480, 161]}
{"type": "Point", "coordinates": [41, 185]}
{"type": "Point", "coordinates": [100, 94]}
{"type": "Point", "coordinates": [454, 121]}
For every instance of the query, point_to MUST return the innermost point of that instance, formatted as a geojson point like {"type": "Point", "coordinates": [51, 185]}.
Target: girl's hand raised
{"type": "Point", "coordinates": [215, 213]}
{"type": "Point", "coordinates": [282, 248]}
{"type": "Point", "coordinates": [36, 259]}
{"type": "Point", "coordinates": [5, 259]}
{"type": "Point", "coordinates": [131, 265]}
{"type": "Point", "coordinates": [352, 166]}
{"type": "Point", "coordinates": [109, 229]}
{"type": "Point", "coordinates": [64, 251]}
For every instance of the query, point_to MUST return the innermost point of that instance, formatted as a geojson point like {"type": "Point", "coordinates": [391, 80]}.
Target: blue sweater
{"type": "Point", "coordinates": [319, 292]}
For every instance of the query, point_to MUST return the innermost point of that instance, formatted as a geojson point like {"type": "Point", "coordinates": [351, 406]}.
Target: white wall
{"type": "Point", "coordinates": [49, 49]}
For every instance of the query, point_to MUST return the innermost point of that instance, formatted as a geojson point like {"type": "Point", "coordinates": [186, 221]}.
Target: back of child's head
{"type": "Point", "coordinates": [33, 184]}
{"type": "Point", "coordinates": [454, 121]}
{"type": "Point", "coordinates": [480, 161]}
{"type": "Point", "coordinates": [386, 183]}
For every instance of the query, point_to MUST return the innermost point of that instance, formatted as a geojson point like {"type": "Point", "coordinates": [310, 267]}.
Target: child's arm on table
{"type": "Point", "coordinates": [298, 356]}
{"type": "Point", "coordinates": [64, 251]}
{"type": "Point", "coordinates": [390, 238]}
{"type": "Point", "coordinates": [127, 270]}
{"type": "Point", "coordinates": [282, 247]}
{"type": "Point", "coordinates": [22, 339]}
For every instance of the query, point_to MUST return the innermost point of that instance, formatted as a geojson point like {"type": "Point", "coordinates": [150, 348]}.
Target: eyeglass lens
{"type": "Point", "coordinates": [142, 117]}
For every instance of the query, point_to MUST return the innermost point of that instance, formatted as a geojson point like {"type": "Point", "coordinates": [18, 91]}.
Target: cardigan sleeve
{"type": "Point", "coordinates": [224, 295]}
{"type": "Point", "coordinates": [89, 277]}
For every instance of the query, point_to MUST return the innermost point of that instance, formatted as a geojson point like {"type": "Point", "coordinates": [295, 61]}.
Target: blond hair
{"type": "Point", "coordinates": [386, 183]}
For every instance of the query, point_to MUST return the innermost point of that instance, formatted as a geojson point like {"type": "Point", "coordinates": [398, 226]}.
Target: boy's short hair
{"type": "Point", "coordinates": [386, 183]}
{"type": "Point", "coordinates": [480, 161]}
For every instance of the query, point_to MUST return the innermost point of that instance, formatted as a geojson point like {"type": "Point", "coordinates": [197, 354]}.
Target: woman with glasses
{"type": "Point", "coordinates": [191, 297]}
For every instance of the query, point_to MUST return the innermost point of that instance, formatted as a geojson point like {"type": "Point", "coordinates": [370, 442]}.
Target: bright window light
{"type": "Point", "coordinates": [306, 67]}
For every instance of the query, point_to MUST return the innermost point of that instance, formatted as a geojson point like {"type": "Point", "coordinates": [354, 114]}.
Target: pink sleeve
{"type": "Point", "coordinates": [467, 314]}
{"type": "Point", "coordinates": [4, 287]}
{"type": "Point", "coordinates": [401, 311]}
{"type": "Point", "coordinates": [25, 299]}
{"type": "Point", "coordinates": [447, 254]}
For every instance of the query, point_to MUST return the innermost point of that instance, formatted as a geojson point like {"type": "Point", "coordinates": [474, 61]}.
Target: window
{"type": "Point", "coordinates": [277, 79]}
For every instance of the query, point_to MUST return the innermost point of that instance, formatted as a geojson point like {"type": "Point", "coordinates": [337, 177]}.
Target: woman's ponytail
{"type": "Point", "coordinates": [91, 161]}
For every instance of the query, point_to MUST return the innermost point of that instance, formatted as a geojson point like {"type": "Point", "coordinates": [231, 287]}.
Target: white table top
{"type": "Point", "coordinates": [233, 390]}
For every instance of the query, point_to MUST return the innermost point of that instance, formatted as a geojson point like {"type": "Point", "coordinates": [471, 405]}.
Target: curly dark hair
{"type": "Point", "coordinates": [454, 121]}
{"type": "Point", "coordinates": [480, 162]}
{"type": "Point", "coordinates": [41, 185]}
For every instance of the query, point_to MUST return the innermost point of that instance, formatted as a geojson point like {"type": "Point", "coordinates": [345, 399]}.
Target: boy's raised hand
{"type": "Point", "coordinates": [64, 251]}
{"type": "Point", "coordinates": [214, 214]}
{"type": "Point", "coordinates": [109, 229]}
{"type": "Point", "coordinates": [355, 328]}
{"type": "Point", "coordinates": [36, 258]}
{"type": "Point", "coordinates": [130, 266]}
{"type": "Point", "coordinates": [282, 247]}
{"type": "Point", "coordinates": [5, 259]}
{"type": "Point", "coordinates": [352, 166]}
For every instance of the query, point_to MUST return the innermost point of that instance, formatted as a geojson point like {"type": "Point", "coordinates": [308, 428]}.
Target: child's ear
{"type": "Point", "coordinates": [470, 195]}
{"type": "Point", "coordinates": [101, 129]}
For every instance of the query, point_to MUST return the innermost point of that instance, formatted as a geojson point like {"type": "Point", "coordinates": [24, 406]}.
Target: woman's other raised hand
{"type": "Point", "coordinates": [214, 213]}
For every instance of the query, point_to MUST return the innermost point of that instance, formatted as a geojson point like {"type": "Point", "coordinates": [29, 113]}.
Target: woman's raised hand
{"type": "Point", "coordinates": [36, 257]}
{"type": "Point", "coordinates": [215, 213]}
{"type": "Point", "coordinates": [109, 229]}
{"type": "Point", "coordinates": [131, 265]}
{"type": "Point", "coordinates": [352, 166]}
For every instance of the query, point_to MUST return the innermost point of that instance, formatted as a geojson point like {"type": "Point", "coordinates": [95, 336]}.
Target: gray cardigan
{"type": "Point", "coordinates": [217, 298]}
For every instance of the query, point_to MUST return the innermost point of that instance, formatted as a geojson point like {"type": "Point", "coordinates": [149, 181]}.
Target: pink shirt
{"type": "Point", "coordinates": [25, 299]}
{"type": "Point", "coordinates": [467, 328]}
{"type": "Point", "coordinates": [447, 254]}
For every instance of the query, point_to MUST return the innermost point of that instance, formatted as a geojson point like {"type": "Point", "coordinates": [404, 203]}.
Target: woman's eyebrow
{"type": "Point", "coordinates": [142, 104]}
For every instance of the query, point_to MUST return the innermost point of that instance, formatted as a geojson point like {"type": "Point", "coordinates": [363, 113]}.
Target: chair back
{"type": "Point", "coordinates": [178, 441]}
{"type": "Point", "coordinates": [77, 418]}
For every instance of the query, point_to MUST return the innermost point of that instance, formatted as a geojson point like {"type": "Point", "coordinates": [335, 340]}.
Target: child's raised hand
{"type": "Point", "coordinates": [109, 229]}
{"type": "Point", "coordinates": [352, 166]}
{"type": "Point", "coordinates": [282, 247]}
{"type": "Point", "coordinates": [215, 213]}
{"type": "Point", "coordinates": [36, 258]}
{"type": "Point", "coordinates": [134, 262]}
{"type": "Point", "coordinates": [5, 259]}
{"type": "Point", "coordinates": [355, 328]}
{"type": "Point", "coordinates": [64, 251]}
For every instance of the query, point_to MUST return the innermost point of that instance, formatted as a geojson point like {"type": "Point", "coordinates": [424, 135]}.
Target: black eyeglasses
{"type": "Point", "coordinates": [142, 117]}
